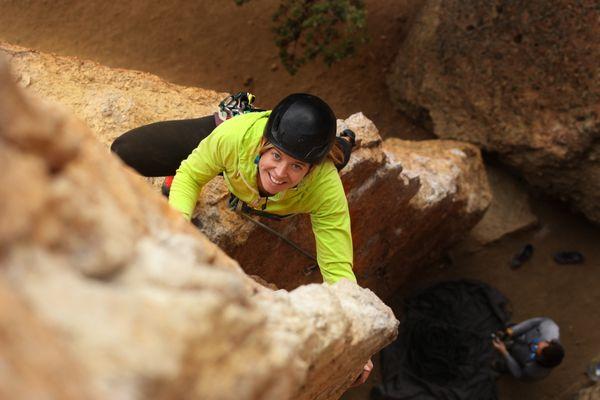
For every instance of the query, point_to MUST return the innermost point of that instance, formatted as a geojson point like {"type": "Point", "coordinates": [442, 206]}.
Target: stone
{"type": "Point", "coordinates": [518, 79]}
{"type": "Point", "coordinates": [34, 360]}
{"type": "Point", "coordinates": [132, 300]}
{"type": "Point", "coordinates": [384, 199]}
{"type": "Point", "coordinates": [509, 212]}
{"type": "Point", "coordinates": [109, 101]}
{"type": "Point", "coordinates": [453, 196]}
{"type": "Point", "coordinates": [590, 393]}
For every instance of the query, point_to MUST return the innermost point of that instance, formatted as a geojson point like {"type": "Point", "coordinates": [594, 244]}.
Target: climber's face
{"type": "Point", "coordinates": [278, 171]}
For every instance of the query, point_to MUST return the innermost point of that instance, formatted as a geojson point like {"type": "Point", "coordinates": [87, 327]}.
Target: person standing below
{"type": "Point", "coordinates": [531, 348]}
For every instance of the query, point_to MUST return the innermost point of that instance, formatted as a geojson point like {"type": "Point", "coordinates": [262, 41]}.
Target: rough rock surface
{"type": "Point", "coordinates": [520, 79]}
{"type": "Point", "coordinates": [388, 206]}
{"type": "Point", "coordinates": [508, 213]}
{"type": "Point", "coordinates": [110, 101]}
{"type": "Point", "coordinates": [33, 360]}
{"type": "Point", "coordinates": [145, 306]}
{"type": "Point", "coordinates": [453, 196]}
{"type": "Point", "coordinates": [591, 393]}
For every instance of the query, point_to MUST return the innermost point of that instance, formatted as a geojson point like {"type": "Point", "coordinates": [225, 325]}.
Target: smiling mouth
{"type": "Point", "coordinates": [275, 181]}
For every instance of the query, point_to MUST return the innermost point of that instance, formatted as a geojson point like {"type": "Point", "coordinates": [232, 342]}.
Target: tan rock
{"type": "Point", "coordinates": [509, 212]}
{"type": "Point", "coordinates": [591, 393]}
{"type": "Point", "coordinates": [34, 360]}
{"type": "Point", "coordinates": [516, 84]}
{"type": "Point", "coordinates": [110, 101]}
{"type": "Point", "coordinates": [453, 196]}
{"type": "Point", "coordinates": [144, 303]}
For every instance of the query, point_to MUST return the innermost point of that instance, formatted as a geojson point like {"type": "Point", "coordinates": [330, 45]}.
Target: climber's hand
{"type": "Point", "coordinates": [364, 375]}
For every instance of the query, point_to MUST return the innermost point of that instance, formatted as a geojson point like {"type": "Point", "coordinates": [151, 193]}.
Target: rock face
{"type": "Point", "coordinates": [110, 101]}
{"type": "Point", "coordinates": [508, 213]}
{"type": "Point", "coordinates": [396, 214]}
{"type": "Point", "coordinates": [452, 198]}
{"type": "Point", "coordinates": [519, 79]}
{"type": "Point", "coordinates": [591, 393]}
{"type": "Point", "coordinates": [34, 361]}
{"type": "Point", "coordinates": [102, 284]}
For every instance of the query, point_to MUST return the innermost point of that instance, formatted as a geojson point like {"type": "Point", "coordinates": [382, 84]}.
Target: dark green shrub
{"type": "Point", "coordinates": [307, 29]}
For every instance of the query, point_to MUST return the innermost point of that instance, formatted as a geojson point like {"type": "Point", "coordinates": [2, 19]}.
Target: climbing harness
{"type": "Point", "coordinates": [237, 205]}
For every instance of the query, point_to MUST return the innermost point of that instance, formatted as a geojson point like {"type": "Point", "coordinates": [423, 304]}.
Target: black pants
{"type": "Point", "coordinates": [159, 148]}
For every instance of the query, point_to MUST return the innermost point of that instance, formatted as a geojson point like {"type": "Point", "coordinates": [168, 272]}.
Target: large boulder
{"type": "Point", "coordinates": [509, 212]}
{"type": "Point", "coordinates": [519, 79]}
{"type": "Point", "coordinates": [385, 200]}
{"type": "Point", "coordinates": [107, 293]}
{"type": "Point", "coordinates": [454, 194]}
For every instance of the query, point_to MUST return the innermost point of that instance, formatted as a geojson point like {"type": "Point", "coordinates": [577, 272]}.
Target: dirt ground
{"type": "Point", "coordinates": [218, 45]}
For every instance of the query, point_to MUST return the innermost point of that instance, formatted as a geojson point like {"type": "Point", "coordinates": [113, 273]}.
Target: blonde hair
{"type": "Point", "coordinates": [336, 154]}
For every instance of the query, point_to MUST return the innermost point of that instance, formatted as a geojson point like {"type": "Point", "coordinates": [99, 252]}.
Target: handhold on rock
{"type": "Point", "coordinates": [568, 257]}
{"type": "Point", "coordinates": [519, 258]}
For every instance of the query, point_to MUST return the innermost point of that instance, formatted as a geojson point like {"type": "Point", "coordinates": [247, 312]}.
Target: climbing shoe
{"type": "Point", "coordinates": [166, 186]}
{"type": "Point", "coordinates": [236, 104]}
{"type": "Point", "coordinates": [568, 257]}
{"type": "Point", "coordinates": [521, 257]}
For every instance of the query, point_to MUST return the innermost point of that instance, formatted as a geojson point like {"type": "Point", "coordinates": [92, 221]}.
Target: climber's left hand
{"type": "Point", "coordinates": [364, 375]}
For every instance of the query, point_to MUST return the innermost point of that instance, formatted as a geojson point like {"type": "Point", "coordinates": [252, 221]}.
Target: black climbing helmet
{"type": "Point", "coordinates": [302, 126]}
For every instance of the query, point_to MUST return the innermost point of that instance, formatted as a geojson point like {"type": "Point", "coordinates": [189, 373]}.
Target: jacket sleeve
{"type": "Point", "coordinates": [513, 366]}
{"type": "Point", "coordinates": [331, 227]}
{"type": "Point", "coordinates": [526, 326]}
{"type": "Point", "coordinates": [533, 371]}
{"type": "Point", "coordinates": [549, 330]}
{"type": "Point", "coordinates": [204, 163]}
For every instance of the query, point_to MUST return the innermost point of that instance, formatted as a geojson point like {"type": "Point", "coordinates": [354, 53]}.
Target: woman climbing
{"type": "Point", "coordinates": [275, 163]}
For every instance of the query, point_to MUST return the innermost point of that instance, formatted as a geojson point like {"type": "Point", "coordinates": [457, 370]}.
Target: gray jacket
{"type": "Point", "coordinates": [519, 359]}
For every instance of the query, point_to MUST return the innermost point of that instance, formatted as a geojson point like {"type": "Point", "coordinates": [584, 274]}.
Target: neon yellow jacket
{"type": "Point", "coordinates": [232, 149]}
